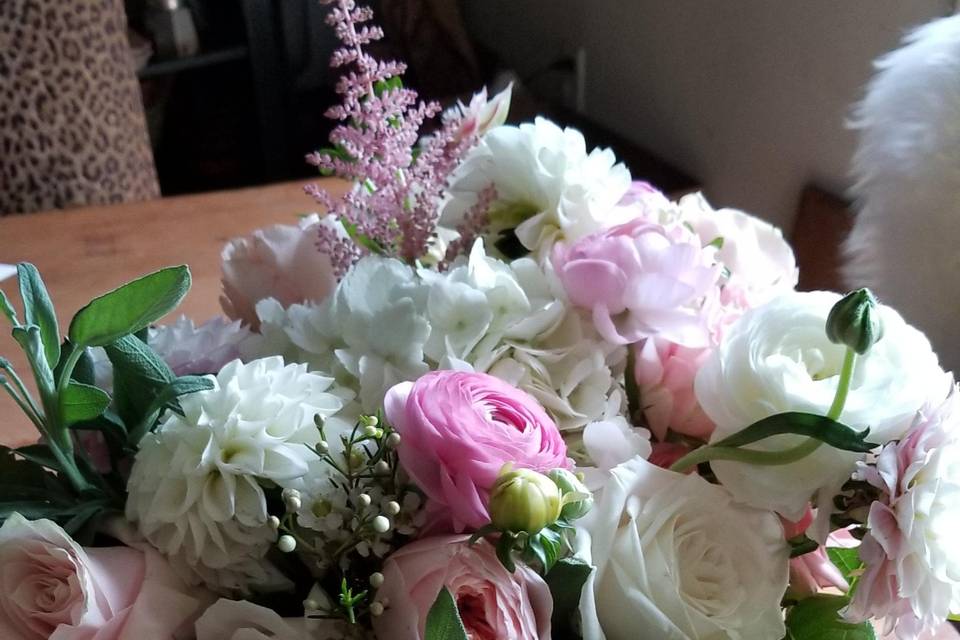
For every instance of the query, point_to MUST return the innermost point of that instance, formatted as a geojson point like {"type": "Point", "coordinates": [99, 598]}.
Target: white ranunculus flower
{"type": "Point", "coordinates": [194, 490]}
{"type": "Point", "coordinates": [193, 350]}
{"type": "Point", "coordinates": [677, 559]}
{"type": "Point", "coordinates": [548, 186]}
{"type": "Point", "coordinates": [777, 358]}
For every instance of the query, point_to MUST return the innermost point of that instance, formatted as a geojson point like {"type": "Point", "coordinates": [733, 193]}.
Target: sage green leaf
{"type": "Point", "coordinates": [38, 310]}
{"type": "Point", "coordinates": [828, 431]}
{"type": "Point", "coordinates": [443, 619]}
{"type": "Point", "coordinates": [29, 339]}
{"type": "Point", "coordinates": [130, 308]}
{"type": "Point", "coordinates": [566, 581]}
{"type": "Point", "coordinates": [80, 402]}
{"type": "Point", "coordinates": [41, 455]}
{"type": "Point", "coordinates": [818, 618]}
{"type": "Point", "coordinates": [7, 309]}
{"type": "Point", "coordinates": [167, 398]}
{"type": "Point", "coordinates": [138, 376]}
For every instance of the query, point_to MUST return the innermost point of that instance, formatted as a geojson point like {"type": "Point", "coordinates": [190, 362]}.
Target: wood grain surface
{"type": "Point", "coordinates": [84, 252]}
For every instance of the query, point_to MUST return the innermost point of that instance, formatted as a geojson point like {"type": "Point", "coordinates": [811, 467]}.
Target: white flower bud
{"type": "Point", "coordinates": [293, 502]}
{"type": "Point", "coordinates": [370, 431]}
{"type": "Point", "coordinates": [393, 440]}
{"type": "Point", "coordinates": [363, 500]}
{"type": "Point", "coordinates": [273, 522]}
{"type": "Point", "coordinates": [382, 468]}
{"type": "Point", "coordinates": [376, 580]}
{"type": "Point", "coordinates": [392, 508]}
{"type": "Point", "coordinates": [380, 524]}
{"type": "Point", "coordinates": [323, 447]}
{"type": "Point", "coordinates": [286, 543]}
{"type": "Point", "coordinates": [376, 609]}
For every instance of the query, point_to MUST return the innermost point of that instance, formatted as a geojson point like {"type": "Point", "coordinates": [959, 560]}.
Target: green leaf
{"type": "Point", "coordinates": [39, 454]}
{"type": "Point", "coordinates": [29, 339]}
{"type": "Point", "coordinates": [7, 309]}
{"type": "Point", "coordinates": [566, 581]}
{"type": "Point", "coordinates": [847, 561]}
{"type": "Point", "coordinates": [38, 310]}
{"type": "Point", "coordinates": [505, 551]}
{"type": "Point", "coordinates": [443, 619]}
{"type": "Point", "coordinates": [28, 488]}
{"type": "Point", "coordinates": [138, 376]}
{"type": "Point", "coordinates": [82, 370]}
{"type": "Point", "coordinates": [167, 398]}
{"type": "Point", "coordinates": [801, 545]}
{"type": "Point", "coordinates": [130, 308]}
{"type": "Point", "coordinates": [80, 402]}
{"type": "Point", "coordinates": [634, 408]}
{"type": "Point", "coordinates": [829, 431]}
{"type": "Point", "coordinates": [817, 618]}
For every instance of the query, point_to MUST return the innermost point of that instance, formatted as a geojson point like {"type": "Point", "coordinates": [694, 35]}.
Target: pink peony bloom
{"type": "Point", "coordinates": [641, 279]}
{"type": "Point", "coordinates": [458, 429]}
{"type": "Point", "coordinates": [493, 603]}
{"type": "Point", "coordinates": [50, 587]}
{"type": "Point", "coordinates": [281, 262]}
{"type": "Point", "coordinates": [665, 372]}
{"type": "Point", "coordinates": [911, 580]}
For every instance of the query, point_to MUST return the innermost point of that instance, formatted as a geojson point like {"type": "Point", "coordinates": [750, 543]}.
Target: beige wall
{"type": "Point", "coordinates": [749, 95]}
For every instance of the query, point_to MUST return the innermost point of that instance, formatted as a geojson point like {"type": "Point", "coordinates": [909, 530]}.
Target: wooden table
{"type": "Point", "coordinates": [84, 252]}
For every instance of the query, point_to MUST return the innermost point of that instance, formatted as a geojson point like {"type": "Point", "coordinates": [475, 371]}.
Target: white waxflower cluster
{"type": "Point", "coordinates": [196, 487]}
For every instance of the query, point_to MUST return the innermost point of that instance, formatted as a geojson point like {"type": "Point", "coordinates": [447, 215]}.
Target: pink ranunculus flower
{"type": "Point", "coordinates": [280, 262]}
{"type": "Point", "coordinates": [493, 603]}
{"type": "Point", "coordinates": [911, 580]}
{"type": "Point", "coordinates": [51, 587]}
{"type": "Point", "coordinates": [665, 372]}
{"type": "Point", "coordinates": [641, 279]}
{"type": "Point", "coordinates": [459, 428]}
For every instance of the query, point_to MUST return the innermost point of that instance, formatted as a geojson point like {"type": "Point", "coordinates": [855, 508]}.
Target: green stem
{"type": "Point", "coordinates": [73, 356]}
{"type": "Point", "coordinates": [26, 407]}
{"type": "Point", "coordinates": [24, 393]}
{"type": "Point", "coordinates": [786, 456]}
{"type": "Point", "coordinates": [843, 386]}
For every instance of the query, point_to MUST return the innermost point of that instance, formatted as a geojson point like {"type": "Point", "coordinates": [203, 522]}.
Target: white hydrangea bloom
{"type": "Point", "coordinates": [548, 186]}
{"type": "Point", "coordinates": [193, 350]}
{"type": "Point", "coordinates": [195, 488]}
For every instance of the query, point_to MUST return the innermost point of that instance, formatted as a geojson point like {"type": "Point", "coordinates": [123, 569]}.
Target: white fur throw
{"type": "Point", "coordinates": [905, 243]}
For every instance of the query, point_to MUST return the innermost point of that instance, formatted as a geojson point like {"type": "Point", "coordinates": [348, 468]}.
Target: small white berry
{"type": "Point", "coordinates": [286, 543]}
{"type": "Point", "coordinates": [370, 431]}
{"type": "Point", "coordinates": [293, 503]}
{"type": "Point", "coordinates": [363, 500]}
{"type": "Point", "coordinates": [273, 522]}
{"type": "Point", "coordinates": [323, 447]}
{"type": "Point", "coordinates": [393, 440]}
{"type": "Point", "coordinates": [380, 524]}
{"type": "Point", "coordinates": [392, 508]}
{"type": "Point", "coordinates": [382, 468]}
{"type": "Point", "coordinates": [373, 420]}
{"type": "Point", "coordinates": [376, 580]}
{"type": "Point", "coordinates": [376, 609]}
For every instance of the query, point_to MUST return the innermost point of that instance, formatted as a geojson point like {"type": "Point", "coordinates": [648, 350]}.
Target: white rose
{"type": "Point", "coordinates": [777, 358]}
{"type": "Point", "coordinates": [675, 557]}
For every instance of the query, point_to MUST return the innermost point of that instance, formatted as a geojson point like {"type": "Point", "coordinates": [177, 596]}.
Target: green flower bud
{"type": "Point", "coordinates": [523, 500]}
{"type": "Point", "coordinates": [576, 499]}
{"type": "Point", "coordinates": [855, 321]}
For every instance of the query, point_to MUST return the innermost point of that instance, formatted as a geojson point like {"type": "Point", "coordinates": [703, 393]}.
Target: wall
{"type": "Point", "coordinates": [751, 96]}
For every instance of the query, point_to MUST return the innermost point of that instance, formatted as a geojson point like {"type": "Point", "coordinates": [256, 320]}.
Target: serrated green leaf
{"type": "Point", "coordinates": [443, 619]}
{"type": "Point", "coordinates": [80, 402]}
{"type": "Point", "coordinates": [566, 581]}
{"type": "Point", "coordinates": [818, 618]}
{"type": "Point", "coordinates": [129, 308]}
{"type": "Point", "coordinates": [828, 431]}
{"type": "Point", "coordinates": [847, 561]}
{"type": "Point", "coordinates": [38, 310]}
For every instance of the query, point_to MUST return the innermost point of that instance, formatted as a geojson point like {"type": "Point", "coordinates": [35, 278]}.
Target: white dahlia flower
{"type": "Point", "coordinates": [548, 186]}
{"type": "Point", "coordinates": [195, 488]}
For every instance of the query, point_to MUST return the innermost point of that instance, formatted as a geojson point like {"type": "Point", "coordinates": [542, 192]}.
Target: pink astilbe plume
{"type": "Point", "coordinates": [394, 205]}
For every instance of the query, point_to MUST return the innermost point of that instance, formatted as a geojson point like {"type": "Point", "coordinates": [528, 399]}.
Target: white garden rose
{"type": "Point", "coordinates": [777, 358]}
{"type": "Point", "coordinates": [548, 186]}
{"type": "Point", "coordinates": [195, 488]}
{"type": "Point", "coordinates": [677, 559]}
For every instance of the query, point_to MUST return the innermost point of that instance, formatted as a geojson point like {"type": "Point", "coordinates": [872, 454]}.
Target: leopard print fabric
{"type": "Point", "coordinates": [72, 127]}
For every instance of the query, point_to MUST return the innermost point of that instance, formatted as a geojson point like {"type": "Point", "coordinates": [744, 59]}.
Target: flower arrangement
{"type": "Point", "coordinates": [497, 391]}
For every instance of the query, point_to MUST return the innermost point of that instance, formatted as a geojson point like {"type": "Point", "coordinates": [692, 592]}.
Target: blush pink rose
{"type": "Point", "coordinates": [281, 262]}
{"type": "Point", "coordinates": [459, 428]}
{"type": "Point", "coordinates": [665, 372]}
{"type": "Point", "coordinates": [493, 603]}
{"type": "Point", "coordinates": [50, 587]}
{"type": "Point", "coordinates": [640, 280]}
